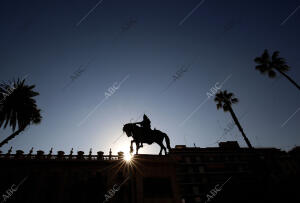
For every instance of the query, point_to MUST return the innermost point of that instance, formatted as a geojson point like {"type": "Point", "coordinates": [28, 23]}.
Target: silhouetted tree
{"type": "Point", "coordinates": [270, 65]}
{"type": "Point", "coordinates": [17, 107]}
{"type": "Point", "coordinates": [224, 100]}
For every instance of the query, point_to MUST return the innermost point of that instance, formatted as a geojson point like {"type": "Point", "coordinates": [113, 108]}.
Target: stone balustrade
{"type": "Point", "coordinates": [40, 155]}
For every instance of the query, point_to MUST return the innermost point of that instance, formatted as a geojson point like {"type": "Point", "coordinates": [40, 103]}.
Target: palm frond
{"type": "Point", "coordinates": [284, 68]}
{"type": "Point", "coordinates": [234, 100]}
{"type": "Point", "coordinates": [265, 56]}
{"type": "Point", "coordinates": [18, 107]}
{"type": "Point", "coordinates": [224, 100]}
{"type": "Point", "coordinates": [258, 60]}
{"type": "Point", "coordinates": [275, 55]}
{"type": "Point", "coordinates": [219, 105]}
{"type": "Point", "coordinates": [262, 68]}
{"type": "Point", "coordinates": [272, 74]}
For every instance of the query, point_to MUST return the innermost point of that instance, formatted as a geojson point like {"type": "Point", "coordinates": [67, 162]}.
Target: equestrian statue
{"type": "Point", "coordinates": [144, 134]}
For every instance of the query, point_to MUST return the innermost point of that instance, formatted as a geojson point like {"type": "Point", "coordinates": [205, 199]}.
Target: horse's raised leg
{"type": "Point", "coordinates": [131, 148]}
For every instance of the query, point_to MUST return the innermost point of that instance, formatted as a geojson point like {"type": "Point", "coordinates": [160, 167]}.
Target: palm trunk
{"type": "Point", "coordinates": [240, 127]}
{"type": "Point", "coordinates": [11, 136]}
{"type": "Point", "coordinates": [290, 79]}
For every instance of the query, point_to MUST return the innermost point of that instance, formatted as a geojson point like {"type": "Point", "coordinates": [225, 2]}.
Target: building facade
{"type": "Point", "coordinates": [227, 173]}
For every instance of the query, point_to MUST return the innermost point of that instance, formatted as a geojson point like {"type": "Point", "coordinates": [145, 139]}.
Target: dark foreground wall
{"type": "Point", "coordinates": [60, 181]}
{"type": "Point", "coordinates": [146, 178]}
{"type": "Point", "coordinates": [222, 174]}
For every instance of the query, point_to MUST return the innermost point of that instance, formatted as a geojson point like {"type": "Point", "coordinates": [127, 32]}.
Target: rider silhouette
{"type": "Point", "coordinates": [146, 124]}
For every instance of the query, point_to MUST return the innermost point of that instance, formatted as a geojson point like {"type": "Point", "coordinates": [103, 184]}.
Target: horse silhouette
{"type": "Point", "coordinates": [139, 137]}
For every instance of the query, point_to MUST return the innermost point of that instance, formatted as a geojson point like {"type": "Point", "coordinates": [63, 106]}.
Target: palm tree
{"type": "Point", "coordinates": [17, 107]}
{"type": "Point", "coordinates": [225, 100]}
{"type": "Point", "coordinates": [270, 65]}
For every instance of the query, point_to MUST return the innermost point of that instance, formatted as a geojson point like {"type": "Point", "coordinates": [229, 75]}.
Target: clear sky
{"type": "Point", "coordinates": [138, 47]}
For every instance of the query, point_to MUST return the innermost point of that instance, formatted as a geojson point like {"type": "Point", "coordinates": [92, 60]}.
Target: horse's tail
{"type": "Point", "coordinates": [167, 142]}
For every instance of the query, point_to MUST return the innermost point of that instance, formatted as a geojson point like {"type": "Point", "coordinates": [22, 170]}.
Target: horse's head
{"type": "Point", "coordinates": [128, 128]}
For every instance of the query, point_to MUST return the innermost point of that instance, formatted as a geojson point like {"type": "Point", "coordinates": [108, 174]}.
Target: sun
{"type": "Point", "coordinates": [128, 157]}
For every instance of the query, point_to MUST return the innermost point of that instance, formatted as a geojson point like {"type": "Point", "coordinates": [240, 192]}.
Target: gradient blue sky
{"type": "Point", "coordinates": [50, 40]}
